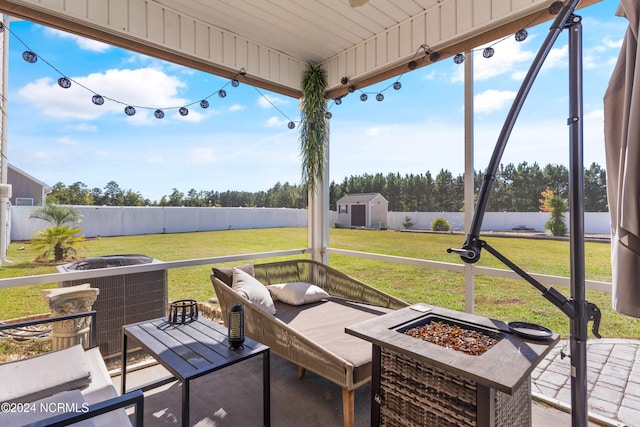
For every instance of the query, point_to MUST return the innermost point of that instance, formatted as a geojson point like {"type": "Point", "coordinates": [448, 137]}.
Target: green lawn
{"type": "Point", "coordinates": [499, 298]}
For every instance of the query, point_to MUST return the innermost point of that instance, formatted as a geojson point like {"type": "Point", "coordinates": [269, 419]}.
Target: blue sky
{"type": "Point", "coordinates": [241, 142]}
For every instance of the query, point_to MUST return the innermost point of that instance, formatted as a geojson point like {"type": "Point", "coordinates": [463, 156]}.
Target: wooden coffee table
{"type": "Point", "coordinates": [190, 351]}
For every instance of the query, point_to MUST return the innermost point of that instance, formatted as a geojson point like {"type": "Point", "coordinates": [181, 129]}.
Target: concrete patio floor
{"type": "Point", "coordinates": [233, 397]}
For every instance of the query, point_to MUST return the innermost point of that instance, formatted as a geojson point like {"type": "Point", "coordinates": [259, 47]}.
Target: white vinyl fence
{"type": "Point", "coordinates": [594, 222]}
{"type": "Point", "coordinates": [126, 221]}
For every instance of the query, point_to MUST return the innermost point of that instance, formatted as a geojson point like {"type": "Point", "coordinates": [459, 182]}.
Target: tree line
{"type": "Point", "coordinates": [515, 189]}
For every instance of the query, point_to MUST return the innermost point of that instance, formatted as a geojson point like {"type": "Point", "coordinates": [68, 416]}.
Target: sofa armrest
{"type": "Point", "coordinates": [133, 398]}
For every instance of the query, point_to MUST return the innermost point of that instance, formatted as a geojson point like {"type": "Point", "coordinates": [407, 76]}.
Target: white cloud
{"type": "Point", "coordinates": [155, 159]}
{"type": "Point", "coordinates": [376, 131]}
{"type": "Point", "coordinates": [268, 101]}
{"type": "Point", "coordinates": [612, 44]}
{"type": "Point", "coordinates": [146, 87]}
{"type": "Point", "coordinates": [66, 141]}
{"type": "Point", "coordinates": [557, 58]}
{"type": "Point", "coordinates": [275, 121]}
{"type": "Point", "coordinates": [237, 107]}
{"type": "Point", "coordinates": [492, 100]}
{"type": "Point", "coordinates": [81, 127]}
{"type": "Point", "coordinates": [202, 156]}
{"type": "Point", "coordinates": [508, 56]}
{"type": "Point", "coordinates": [83, 43]}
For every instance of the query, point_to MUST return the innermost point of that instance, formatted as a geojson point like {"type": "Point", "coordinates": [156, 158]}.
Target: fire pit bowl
{"type": "Point", "coordinates": [454, 334]}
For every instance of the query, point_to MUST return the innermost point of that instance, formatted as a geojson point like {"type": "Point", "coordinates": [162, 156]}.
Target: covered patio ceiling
{"type": "Point", "coordinates": [269, 43]}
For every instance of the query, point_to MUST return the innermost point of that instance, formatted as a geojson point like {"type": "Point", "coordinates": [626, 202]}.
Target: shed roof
{"type": "Point", "coordinates": [352, 199]}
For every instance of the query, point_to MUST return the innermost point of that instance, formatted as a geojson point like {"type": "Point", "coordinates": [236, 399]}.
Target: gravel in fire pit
{"type": "Point", "coordinates": [446, 335]}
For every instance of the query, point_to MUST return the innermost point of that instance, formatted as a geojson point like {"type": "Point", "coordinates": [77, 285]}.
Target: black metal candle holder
{"type": "Point", "coordinates": [183, 311]}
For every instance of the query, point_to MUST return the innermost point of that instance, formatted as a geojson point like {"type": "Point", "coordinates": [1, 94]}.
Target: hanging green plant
{"type": "Point", "coordinates": [313, 129]}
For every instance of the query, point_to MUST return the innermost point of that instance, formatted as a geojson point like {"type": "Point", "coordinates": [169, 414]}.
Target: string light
{"type": "Point", "coordinates": [130, 110]}
{"type": "Point", "coordinates": [64, 82]}
{"type": "Point", "coordinates": [519, 36]}
{"type": "Point", "coordinates": [97, 99]}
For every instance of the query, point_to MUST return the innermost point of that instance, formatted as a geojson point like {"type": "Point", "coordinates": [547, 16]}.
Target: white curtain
{"type": "Point", "coordinates": [622, 146]}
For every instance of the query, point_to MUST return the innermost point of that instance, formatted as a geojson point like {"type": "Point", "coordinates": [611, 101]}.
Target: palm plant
{"type": "Point", "coordinates": [59, 239]}
{"type": "Point", "coordinates": [313, 132]}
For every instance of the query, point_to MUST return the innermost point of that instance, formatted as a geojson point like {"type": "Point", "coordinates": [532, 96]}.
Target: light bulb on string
{"type": "Point", "coordinates": [459, 58]}
{"type": "Point", "coordinates": [338, 101]}
{"type": "Point", "coordinates": [521, 35]}
{"type": "Point", "coordinates": [129, 110]}
{"type": "Point", "coordinates": [397, 85]}
{"type": "Point", "coordinates": [64, 82]}
{"type": "Point", "coordinates": [1, 26]}
{"type": "Point", "coordinates": [235, 83]}
{"type": "Point", "coordinates": [204, 104]}
{"type": "Point", "coordinates": [363, 97]}
{"type": "Point", "coordinates": [159, 114]}
{"type": "Point", "coordinates": [379, 97]}
{"type": "Point", "coordinates": [183, 111]}
{"type": "Point", "coordinates": [328, 115]}
{"type": "Point", "coordinates": [291, 125]}
{"type": "Point", "coordinates": [29, 56]}
{"type": "Point", "coordinates": [488, 52]}
{"type": "Point", "coordinates": [222, 93]}
{"type": "Point", "coordinates": [97, 99]}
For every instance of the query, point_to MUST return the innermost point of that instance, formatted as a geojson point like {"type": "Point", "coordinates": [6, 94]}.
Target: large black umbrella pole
{"type": "Point", "coordinates": [578, 310]}
{"type": "Point", "coordinates": [578, 326]}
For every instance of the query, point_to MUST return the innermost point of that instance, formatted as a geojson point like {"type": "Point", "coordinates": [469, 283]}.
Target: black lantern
{"type": "Point", "coordinates": [183, 311]}
{"type": "Point", "coordinates": [235, 323]}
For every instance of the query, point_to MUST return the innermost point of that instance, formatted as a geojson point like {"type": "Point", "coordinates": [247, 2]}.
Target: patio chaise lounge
{"type": "Point", "coordinates": [64, 387]}
{"type": "Point", "coordinates": [309, 334]}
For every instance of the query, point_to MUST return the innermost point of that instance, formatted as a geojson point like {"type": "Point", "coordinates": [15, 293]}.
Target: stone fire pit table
{"type": "Point", "coordinates": [415, 382]}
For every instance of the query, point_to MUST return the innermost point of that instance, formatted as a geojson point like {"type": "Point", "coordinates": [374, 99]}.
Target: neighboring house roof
{"type": "Point", "coordinates": [47, 188]}
{"type": "Point", "coordinates": [352, 199]}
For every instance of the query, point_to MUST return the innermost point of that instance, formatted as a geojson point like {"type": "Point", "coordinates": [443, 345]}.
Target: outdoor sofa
{"type": "Point", "coordinates": [64, 387]}
{"type": "Point", "coordinates": [309, 334]}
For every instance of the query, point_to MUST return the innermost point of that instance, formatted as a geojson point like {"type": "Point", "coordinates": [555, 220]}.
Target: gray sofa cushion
{"type": "Point", "coordinates": [41, 376]}
{"type": "Point", "coordinates": [225, 274]}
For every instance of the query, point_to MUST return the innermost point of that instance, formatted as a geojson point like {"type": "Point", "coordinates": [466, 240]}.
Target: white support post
{"type": "Point", "coordinates": [5, 190]}
{"type": "Point", "coordinates": [318, 223]}
{"type": "Point", "coordinates": [469, 292]}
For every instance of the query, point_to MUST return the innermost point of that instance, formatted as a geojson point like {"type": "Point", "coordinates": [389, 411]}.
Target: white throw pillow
{"type": "Point", "coordinates": [250, 288]}
{"type": "Point", "coordinates": [297, 293]}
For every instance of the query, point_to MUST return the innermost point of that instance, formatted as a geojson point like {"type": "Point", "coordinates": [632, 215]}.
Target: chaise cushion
{"type": "Point", "coordinates": [225, 274]}
{"type": "Point", "coordinates": [297, 293]}
{"type": "Point", "coordinates": [250, 288]}
{"type": "Point", "coordinates": [324, 322]}
{"type": "Point", "coordinates": [41, 376]}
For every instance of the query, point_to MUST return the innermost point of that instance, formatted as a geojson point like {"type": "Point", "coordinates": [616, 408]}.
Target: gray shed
{"type": "Point", "coordinates": [26, 190]}
{"type": "Point", "coordinates": [368, 210]}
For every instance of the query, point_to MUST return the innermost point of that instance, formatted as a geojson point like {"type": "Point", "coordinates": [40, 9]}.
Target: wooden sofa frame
{"type": "Point", "coordinates": [289, 343]}
{"type": "Point", "coordinates": [134, 398]}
